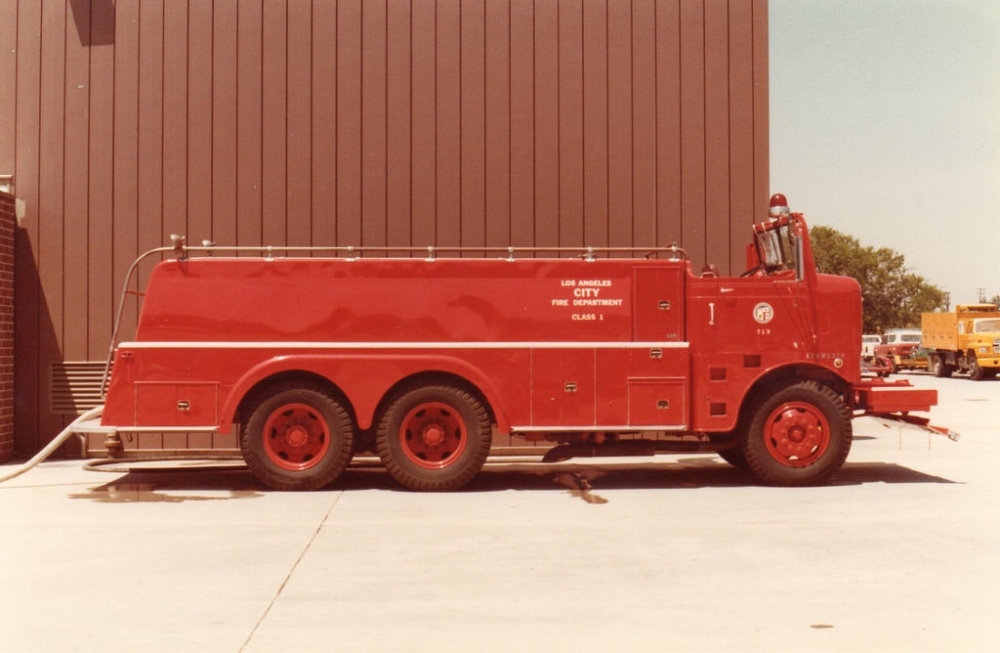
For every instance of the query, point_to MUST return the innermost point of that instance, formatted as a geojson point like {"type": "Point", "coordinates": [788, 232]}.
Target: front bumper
{"type": "Point", "coordinates": [895, 400]}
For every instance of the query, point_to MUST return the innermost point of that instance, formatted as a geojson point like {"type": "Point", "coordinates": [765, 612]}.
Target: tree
{"type": "Point", "coordinates": [891, 295]}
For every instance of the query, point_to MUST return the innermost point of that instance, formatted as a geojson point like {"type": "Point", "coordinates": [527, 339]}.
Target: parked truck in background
{"type": "Point", "coordinates": [427, 360]}
{"type": "Point", "coordinates": [871, 363]}
{"type": "Point", "coordinates": [901, 350]}
{"type": "Point", "coordinates": [869, 344]}
{"type": "Point", "coordinates": [966, 340]}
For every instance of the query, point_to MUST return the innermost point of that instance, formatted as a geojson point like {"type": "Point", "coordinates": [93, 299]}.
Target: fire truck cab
{"type": "Point", "coordinates": [427, 359]}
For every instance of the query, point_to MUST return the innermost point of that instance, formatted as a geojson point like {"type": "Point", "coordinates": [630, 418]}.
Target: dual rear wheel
{"type": "Point", "coordinates": [298, 437]}
{"type": "Point", "coordinates": [939, 367]}
{"type": "Point", "coordinates": [434, 437]}
{"type": "Point", "coordinates": [430, 438]}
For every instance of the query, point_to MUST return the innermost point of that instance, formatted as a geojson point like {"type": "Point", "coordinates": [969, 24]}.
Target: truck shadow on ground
{"type": "Point", "coordinates": [584, 480]}
{"type": "Point", "coordinates": [684, 473]}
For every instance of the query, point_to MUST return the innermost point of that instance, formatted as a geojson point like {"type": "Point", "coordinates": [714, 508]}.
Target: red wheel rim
{"type": "Point", "coordinates": [797, 434]}
{"type": "Point", "coordinates": [296, 437]}
{"type": "Point", "coordinates": [433, 435]}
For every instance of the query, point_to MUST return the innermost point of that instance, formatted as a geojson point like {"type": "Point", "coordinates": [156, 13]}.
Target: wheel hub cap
{"type": "Point", "coordinates": [433, 435]}
{"type": "Point", "coordinates": [296, 437]}
{"type": "Point", "coordinates": [797, 434]}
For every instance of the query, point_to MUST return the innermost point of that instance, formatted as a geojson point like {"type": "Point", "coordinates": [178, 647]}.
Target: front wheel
{"type": "Point", "coordinates": [434, 438]}
{"type": "Point", "coordinates": [734, 457]}
{"type": "Point", "coordinates": [976, 372]}
{"type": "Point", "coordinates": [297, 438]}
{"type": "Point", "coordinates": [798, 436]}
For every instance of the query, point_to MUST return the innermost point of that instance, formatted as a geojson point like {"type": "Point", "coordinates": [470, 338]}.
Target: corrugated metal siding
{"type": "Point", "coordinates": [7, 225]}
{"type": "Point", "coordinates": [364, 122]}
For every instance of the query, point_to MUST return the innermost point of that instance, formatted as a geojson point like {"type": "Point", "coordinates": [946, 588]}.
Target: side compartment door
{"type": "Point", "coordinates": [563, 387]}
{"type": "Point", "coordinates": [659, 304]}
{"type": "Point", "coordinates": [659, 371]}
{"type": "Point", "coordinates": [177, 404]}
{"type": "Point", "coordinates": [658, 383]}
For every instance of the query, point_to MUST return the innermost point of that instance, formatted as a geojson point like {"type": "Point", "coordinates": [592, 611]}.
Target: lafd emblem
{"type": "Point", "coordinates": [763, 313]}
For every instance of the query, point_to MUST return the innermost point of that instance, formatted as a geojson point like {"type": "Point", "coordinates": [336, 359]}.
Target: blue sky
{"type": "Point", "coordinates": [885, 125]}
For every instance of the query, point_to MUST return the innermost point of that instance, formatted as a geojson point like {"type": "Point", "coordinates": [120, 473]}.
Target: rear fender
{"type": "Point", "coordinates": [363, 380]}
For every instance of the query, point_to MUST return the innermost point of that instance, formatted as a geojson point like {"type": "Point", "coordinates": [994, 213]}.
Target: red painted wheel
{"type": "Point", "coordinates": [297, 438]}
{"type": "Point", "coordinates": [433, 435]}
{"type": "Point", "coordinates": [434, 438]}
{"type": "Point", "coordinates": [799, 435]}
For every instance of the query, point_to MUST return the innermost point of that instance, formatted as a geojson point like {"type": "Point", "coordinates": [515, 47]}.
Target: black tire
{"type": "Point", "coordinates": [734, 457]}
{"type": "Point", "coordinates": [938, 367]}
{"type": "Point", "coordinates": [434, 438]}
{"type": "Point", "coordinates": [800, 435]}
{"type": "Point", "coordinates": [297, 438]}
{"type": "Point", "coordinates": [976, 373]}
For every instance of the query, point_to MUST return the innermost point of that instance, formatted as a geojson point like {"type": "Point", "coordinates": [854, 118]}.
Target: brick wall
{"type": "Point", "coordinates": [7, 224]}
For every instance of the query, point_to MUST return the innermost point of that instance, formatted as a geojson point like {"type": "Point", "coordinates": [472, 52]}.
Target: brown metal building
{"type": "Point", "coordinates": [359, 122]}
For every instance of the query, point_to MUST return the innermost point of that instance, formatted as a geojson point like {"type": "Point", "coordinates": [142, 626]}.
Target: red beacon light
{"type": "Point", "coordinates": [778, 206]}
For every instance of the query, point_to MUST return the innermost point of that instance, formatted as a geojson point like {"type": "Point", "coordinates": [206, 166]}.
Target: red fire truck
{"type": "Point", "coordinates": [425, 359]}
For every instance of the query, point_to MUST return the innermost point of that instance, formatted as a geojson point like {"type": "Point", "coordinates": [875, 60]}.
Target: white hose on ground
{"type": "Point", "coordinates": [51, 447]}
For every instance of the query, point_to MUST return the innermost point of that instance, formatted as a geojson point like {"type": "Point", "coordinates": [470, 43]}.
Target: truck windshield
{"type": "Point", "coordinates": [777, 245]}
{"type": "Point", "coordinates": [986, 326]}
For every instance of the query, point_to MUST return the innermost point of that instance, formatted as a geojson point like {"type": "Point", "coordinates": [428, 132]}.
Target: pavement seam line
{"type": "Point", "coordinates": [291, 571]}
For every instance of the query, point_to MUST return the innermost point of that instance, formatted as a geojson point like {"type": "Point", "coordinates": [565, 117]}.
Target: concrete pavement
{"type": "Point", "coordinates": [897, 553]}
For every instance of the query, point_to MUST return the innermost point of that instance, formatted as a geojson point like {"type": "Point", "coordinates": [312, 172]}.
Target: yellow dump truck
{"type": "Point", "coordinates": [967, 340]}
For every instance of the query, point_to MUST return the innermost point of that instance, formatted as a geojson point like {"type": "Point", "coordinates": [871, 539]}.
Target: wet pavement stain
{"type": "Point", "coordinates": [579, 485]}
{"type": "Point", "coordinates": [175, 487]}
{"type": "Point", "coordinates": [146, 493]}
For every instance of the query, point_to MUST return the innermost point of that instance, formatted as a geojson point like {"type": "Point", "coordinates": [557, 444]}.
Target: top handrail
{"type": "Point", "coordinates": [183, 251]}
